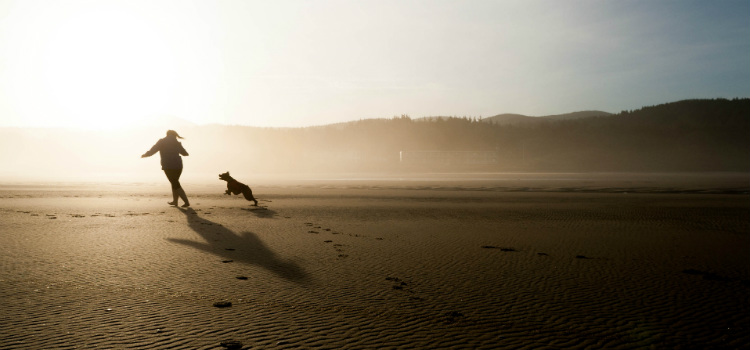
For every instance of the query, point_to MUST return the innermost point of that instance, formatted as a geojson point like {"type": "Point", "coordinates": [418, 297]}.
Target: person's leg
{"type": "Point", "coordinates": [174, 198]}
{"type": "Point", "coordinates": [173, 175]}
{"type": "Point", "coordinates": [177, 188]}
{"type": "Point", "coordinates": [182, 194]}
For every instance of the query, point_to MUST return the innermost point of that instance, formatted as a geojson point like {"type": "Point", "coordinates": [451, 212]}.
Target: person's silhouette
{"type": "Point", "coordinates": [170, 150]}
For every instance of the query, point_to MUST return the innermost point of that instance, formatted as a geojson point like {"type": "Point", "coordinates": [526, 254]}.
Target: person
{"type": "Point", "coordinates": [170, 150]}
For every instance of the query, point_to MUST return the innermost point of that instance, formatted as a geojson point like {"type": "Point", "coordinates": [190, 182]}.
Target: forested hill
{"type": "Point", "coordinates": [519, 119]}
{"type": "Point", "coordinates": [693, 135]}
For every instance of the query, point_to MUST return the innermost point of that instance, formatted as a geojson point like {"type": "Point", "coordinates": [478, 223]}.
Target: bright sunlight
{"type": "Point", "coordinates": [107, 67]}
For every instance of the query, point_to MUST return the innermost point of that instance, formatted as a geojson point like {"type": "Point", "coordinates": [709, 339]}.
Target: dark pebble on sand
{"type": "Point", "coordinates": [227, 261]}
{"type": "Point", "coordinates": [229, 249]}
{"type": "Point", "coordinates": [582, 257]}
{"type": "Point", "coordinates": [241, 278]}
{"type": "Point", "coordinates": [223, 304]}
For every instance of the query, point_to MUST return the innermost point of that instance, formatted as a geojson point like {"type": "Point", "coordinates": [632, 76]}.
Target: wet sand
{"type": "Point", "coordinates": [378, 263]}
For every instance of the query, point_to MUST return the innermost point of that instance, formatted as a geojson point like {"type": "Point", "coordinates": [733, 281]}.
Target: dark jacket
{"type": "Point", "coordinates": [170, 150]}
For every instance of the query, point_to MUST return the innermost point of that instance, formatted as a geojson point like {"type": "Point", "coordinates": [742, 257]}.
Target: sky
{"type": "Point", "coordinates": [116, 64]}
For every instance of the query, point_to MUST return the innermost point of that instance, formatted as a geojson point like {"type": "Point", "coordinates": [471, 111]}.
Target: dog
{"type": "Point", "coordinates": [236, 187]}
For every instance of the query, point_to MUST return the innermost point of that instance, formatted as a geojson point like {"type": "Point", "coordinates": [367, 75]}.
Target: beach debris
{"type": "Point", "coordinates": [227, 261]}
{"type": "Point", "coordinates": [229, 249]}
{"type": "Point", "coordinates": [108, 309]}
{"type": "Point", "coordinates": [222, 304]}
{"type": "Point", "coordinates": [231, 344]}
{"type": "Point", "coordinates": [244, 278]}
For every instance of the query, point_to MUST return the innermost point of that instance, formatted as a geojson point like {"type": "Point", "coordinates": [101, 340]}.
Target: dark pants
{"type": "Point", "coordinates": [174, 177]}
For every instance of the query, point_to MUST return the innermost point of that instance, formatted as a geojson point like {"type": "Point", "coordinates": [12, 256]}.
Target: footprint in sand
{"type": "Point", "coordinates": [453, 317]}
{"type": "Point", "coordinates": [502, 249]}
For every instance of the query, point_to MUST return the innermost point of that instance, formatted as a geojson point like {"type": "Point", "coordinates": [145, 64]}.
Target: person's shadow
{"type": "Point", "coordinates": [244, 248]}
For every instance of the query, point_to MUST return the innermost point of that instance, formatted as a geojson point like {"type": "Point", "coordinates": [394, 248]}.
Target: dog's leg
{"type": "Point", "coordinates": [248, 194]}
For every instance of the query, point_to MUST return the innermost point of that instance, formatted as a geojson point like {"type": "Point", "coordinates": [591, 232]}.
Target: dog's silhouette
{"type": "Point", "coordinates": [236, 187]}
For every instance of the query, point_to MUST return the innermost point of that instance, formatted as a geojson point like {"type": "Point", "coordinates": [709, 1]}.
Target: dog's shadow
{"type": "Point", "coordinates": [261, 212]}
{"type": "Point", "coordinates": [243, 248]}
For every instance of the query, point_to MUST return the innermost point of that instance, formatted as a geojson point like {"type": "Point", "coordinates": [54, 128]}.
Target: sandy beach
{"type": "Point", "coordinates": [517, 261]}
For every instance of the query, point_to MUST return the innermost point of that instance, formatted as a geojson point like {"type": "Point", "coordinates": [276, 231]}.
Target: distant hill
{"type": "Point", "coordinates": [519, 119]}
{"type": "Point", "coordinates": [683, 136]}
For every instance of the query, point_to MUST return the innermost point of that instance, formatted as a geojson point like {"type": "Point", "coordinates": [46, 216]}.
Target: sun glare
{"type": "Point", "coordinates": [106, 69]}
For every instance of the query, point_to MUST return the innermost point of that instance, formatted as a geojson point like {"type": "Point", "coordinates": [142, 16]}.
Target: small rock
{"type": "Point", "coordinates": [223, 304]}
{"type": "Point", "coordinates": [241, 278]}
{"type": "Point", "coordinates": [227, 261]}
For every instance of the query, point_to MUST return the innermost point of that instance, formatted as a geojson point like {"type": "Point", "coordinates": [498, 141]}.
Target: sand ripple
{"type": "Point", "coordinates": [434, 269]}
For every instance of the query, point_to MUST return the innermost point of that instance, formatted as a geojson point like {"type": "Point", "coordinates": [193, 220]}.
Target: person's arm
{"type": "Point", "coordinates": [183, 151]}
{"type": "Point", "coordinates": [153, 150]}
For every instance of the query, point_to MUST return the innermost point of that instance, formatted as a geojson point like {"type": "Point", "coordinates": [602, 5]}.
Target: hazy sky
{"type": "Point", "coordinates": [106, 64]}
